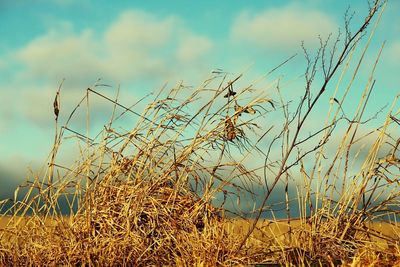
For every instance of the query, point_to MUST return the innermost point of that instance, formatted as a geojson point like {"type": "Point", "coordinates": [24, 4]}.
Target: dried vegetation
{"type": "Point", "coordinates": [177, 187]}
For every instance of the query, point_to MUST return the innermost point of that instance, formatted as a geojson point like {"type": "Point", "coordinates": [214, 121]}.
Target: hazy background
{"type": "Point", "coordinates": [141, 45]}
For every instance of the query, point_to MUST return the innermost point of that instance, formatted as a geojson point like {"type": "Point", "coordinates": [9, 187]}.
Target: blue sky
{"type": "Point", "coordinates": [140, 45]}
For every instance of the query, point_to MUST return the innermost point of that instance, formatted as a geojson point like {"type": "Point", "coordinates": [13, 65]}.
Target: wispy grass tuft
{"type": "Point", "coordinates": [204, 178]}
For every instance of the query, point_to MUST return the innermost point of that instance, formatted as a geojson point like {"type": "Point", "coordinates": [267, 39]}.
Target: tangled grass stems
{"type": "Point", "coordinates": [139, 197]}
{"type": "Point", "coordinates": [183, 186]}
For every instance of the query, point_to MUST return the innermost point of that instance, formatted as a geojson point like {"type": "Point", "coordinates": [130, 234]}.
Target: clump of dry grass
{"type": "Point", "coordinates": [141, 197]}
{"type": "Point", "coordinates": [151, 224]}
{"type": "Point", "coordinates": [140, 224]}
{"type": "Point", "coordinates": [159, 192]}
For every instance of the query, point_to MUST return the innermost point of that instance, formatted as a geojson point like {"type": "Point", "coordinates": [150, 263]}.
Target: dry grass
{"type": "Point", "coordinates": [142, 197]}
{"type": "Point", "coordinates": [129, 224]}
{"type": "Point", "coordinates": [185, 186]}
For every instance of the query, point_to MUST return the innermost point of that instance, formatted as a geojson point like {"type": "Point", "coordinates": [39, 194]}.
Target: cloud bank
{"type": "Point", "coordinates": [282, 28]}
{"type": "Point", "coordinates": [135, 45]}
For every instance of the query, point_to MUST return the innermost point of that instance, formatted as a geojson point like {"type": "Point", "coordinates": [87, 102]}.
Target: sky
{"type": "Point", "coordinates": [141, 45]}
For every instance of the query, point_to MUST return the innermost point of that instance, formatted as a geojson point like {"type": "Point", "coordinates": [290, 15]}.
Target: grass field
{"type": "Point", "coordinates": [193, 181]}
{"type": "Point", "coordinates": [283, 239]}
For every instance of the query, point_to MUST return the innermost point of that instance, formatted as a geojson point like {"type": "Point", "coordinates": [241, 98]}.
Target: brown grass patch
{"type": "Point", "coordinates": [180, 186]}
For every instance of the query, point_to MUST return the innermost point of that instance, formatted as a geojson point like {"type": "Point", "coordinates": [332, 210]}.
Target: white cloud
{"type": "Point", "coordinates": [282, 28]}
{"type": "Point", "coordinates": [13, 171]}
{"type": "Point", "coordinates": [35, 105]}
{"type": "Point", "coordinates": [393, 52]}
{"type": "Point", "coordinates": [137, 45]}
{"type": "Point", "coordinates": [56, 55]}
{"type": "Point", "coordinates": [7, 115]}
{"type": "Point", "coordinates": [139, 30]}
{"type": "Point", "coordinates": [141, 45]}
{"type": "Point", "coordinates": [193, 47]}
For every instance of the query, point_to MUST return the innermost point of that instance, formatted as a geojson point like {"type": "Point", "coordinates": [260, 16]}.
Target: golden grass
{"type": "Point", "coordinates": [147, 226]}
{"type": "Point", "coordinates": [175, 246]}
{"type": "Point", "coordinates": [180, 187]}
